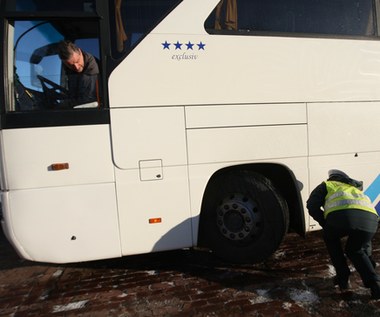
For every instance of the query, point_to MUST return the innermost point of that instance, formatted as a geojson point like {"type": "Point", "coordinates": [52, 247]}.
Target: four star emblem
{"type": "Point", "coordinates": [178, 45]}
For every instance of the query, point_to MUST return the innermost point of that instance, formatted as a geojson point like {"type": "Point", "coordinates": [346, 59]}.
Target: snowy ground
{"type": "Point", "coordinates": [296, 281]}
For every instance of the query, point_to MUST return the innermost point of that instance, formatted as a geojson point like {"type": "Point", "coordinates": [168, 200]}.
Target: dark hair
{"type": "Point", "coordinates": [66, 50]}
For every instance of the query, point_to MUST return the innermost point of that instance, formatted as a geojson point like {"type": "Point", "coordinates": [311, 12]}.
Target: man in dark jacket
{"type": "Point", "coordinates": [82, 72]}
{"type": "Point", "coordinates": [342, 210]}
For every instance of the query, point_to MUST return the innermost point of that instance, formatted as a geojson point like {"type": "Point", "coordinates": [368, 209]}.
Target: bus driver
{"type": "Point", "coordinates": [82, 72]}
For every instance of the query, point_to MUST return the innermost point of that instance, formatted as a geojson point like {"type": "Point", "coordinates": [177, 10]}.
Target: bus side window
{"type": "Point", "coordinates": [131, 20]}
{"type": "Point", "coordinates": [40, 79]}
{"type": "Point", "coordinates": [226, 17]}
{"type": "Point", "coordinates": [287, 18]}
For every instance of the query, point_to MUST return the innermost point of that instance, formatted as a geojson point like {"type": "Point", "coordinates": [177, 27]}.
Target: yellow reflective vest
{"type": "Point", "coordinates": [342, 196]}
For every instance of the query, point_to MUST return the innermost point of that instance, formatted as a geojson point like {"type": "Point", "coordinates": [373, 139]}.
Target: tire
{"type": "Point", "coordinates": [244, 218]}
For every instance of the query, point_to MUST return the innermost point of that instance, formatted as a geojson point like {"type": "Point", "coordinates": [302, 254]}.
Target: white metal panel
{"type": "Point", "coordinates": [347, 127]}
{"type": "Point", "coordinates": [245, 69]}
{"type": "Point", "coordinates": [28, 154]}
{"type": "Point", "coordinates": [148, 134]}
{"type": "Point", "coordinates": [244, 115]}
{"type": "Point", "coordinates": [139, 201]}
{"type": "Point", "coordinates": [246, 143]}
{"type": "Point", "coordinates": [151, 170]}
{"type": "Point", "coordinates": [66, 224]}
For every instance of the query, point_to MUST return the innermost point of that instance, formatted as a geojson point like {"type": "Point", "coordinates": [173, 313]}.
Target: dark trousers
{"type": "Point", "coordinates": [357, 249]}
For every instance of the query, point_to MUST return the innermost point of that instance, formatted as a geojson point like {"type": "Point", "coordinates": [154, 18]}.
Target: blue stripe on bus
{"type": "Point", "coordinates": [373, 192]}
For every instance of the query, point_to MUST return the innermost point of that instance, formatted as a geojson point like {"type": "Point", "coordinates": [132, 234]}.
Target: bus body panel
{"type": "Point", "coordinates": [151, 178]}
{"type": "Point", "coordinates": [343, 135]}
{"type": "Point", "coordinates": [219, 116]}
{"type": "Point", "coordinates": [30, 153]}
{"type": "Point", "coordinates": [60, 215]}
{"type": "Point", "coordinates": [63, 224]}
{"type": "Point", "coordinates": [246, 143]}
{"type": "Point", "coordinates": [154, 215]}
{"type": "Point", "coordinates": [346, 127]}
{"type": "Point", "coordinates": [140, 135]}
{"type": "Point", "coordinates": [246, 69]}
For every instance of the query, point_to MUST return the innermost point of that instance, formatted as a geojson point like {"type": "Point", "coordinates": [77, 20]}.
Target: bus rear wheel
{"type": "Point", "coordinates": [244, 218]}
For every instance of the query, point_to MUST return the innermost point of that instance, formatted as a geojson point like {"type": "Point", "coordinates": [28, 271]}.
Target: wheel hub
{"type": "Point", "coordinates": [238, 218]}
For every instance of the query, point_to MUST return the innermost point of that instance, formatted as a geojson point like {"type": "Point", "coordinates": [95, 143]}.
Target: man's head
{"type": "Point", "coordinates": [335, 172]}
{"type": "Point", "coordinates": [71, 55]}
{"type": "Point", "coordinates": [338, 175]}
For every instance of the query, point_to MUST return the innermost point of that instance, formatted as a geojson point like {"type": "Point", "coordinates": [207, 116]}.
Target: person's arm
{"type": "Point", "coordinates": [87, 89]}
{"type": "Point", "coordinates": [316, 202]}
{"type": "Point", "coordinates": [87, 83]}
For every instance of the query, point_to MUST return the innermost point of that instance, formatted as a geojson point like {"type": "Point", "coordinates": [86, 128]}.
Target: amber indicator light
{"type": "Point", "coordinates": [155, 220]}
{"type": "Point", "coordinates": [59, 166]}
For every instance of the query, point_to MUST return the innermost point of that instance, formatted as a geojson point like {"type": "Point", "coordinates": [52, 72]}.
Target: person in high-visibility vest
{"type": "Point", "coordinates": [343, 210]}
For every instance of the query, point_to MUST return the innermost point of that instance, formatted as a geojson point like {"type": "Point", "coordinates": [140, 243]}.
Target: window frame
{"type": "Point", "coordinates": [118, 57]}
{"type": "Point", "coordinates": [376, 15]}
{"type": "Point", "coordinates": [50, 118]}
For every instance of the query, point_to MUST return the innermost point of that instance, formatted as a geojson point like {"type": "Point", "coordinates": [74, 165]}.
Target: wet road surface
{"type": "Point", "coordinates": [296, 281]}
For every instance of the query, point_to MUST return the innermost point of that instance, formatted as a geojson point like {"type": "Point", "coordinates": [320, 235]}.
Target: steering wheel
{"type": "Point", "coordinates": [54, 94]}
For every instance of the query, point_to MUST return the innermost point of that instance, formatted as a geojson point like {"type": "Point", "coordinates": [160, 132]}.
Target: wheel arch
{"type": "Point", "coordinates": [282, 178]}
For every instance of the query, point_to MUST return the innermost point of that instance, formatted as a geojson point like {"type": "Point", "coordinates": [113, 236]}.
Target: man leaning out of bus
{"type": "Point", "coordinates": [343, 210]}
{"type": "Point", "coordinates": [82, 71]}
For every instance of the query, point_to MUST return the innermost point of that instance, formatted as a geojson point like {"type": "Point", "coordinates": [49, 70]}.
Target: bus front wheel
{"type": "Point", "coordinates": [244, 218]}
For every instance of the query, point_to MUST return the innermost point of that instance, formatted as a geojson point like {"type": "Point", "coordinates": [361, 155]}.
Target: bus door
{"type": "Point", "coordinates": [57, 178]}
{"type": "Point", "coordinates": [148, 141]}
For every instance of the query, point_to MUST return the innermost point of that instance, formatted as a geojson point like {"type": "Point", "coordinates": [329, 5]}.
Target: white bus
{"type": "Point", "coordinates": [213, 122]}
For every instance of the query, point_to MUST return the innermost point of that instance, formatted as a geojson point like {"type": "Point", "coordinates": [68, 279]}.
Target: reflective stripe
{"type": "Point", "coordinates": [348, 195]}
{"type": "Point", "coordinates": [346, 202]}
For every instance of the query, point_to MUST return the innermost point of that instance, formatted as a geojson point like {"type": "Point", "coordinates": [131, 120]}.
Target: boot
{"type": "Point", "coordinates": [343, 283]}
{"type": "Point", "coordinates": [375, 289]}
{"type": "Point", "coordinates": [373, 262]}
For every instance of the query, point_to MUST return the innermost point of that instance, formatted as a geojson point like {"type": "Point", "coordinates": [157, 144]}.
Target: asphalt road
{"type": "Point", "coordinates": [296, 281]}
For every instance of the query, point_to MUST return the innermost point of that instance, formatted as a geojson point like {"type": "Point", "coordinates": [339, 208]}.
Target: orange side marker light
{"type": "Point", "coordinates": [59, 166]}
{"type": "Point", "coordinates": [155, 220]}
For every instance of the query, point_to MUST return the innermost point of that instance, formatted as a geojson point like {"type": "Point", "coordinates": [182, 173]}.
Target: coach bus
{"type": "Point", "coordinates": [212, 123]}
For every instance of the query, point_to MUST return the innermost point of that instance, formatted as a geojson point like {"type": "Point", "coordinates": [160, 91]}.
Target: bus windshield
{"type": "Point", "coordinates": [40, 81]}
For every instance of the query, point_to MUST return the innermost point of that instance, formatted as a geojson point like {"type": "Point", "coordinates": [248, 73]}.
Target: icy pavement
{"type": "Point", "coordinates": [296, 281]}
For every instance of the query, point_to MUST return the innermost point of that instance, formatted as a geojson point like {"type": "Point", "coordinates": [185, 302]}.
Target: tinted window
{"type": "Point", "coordinates": [131, 20]}
{"type": "Point", "coordinates": [51, 5]}
{"type": "Point", "coordinates": [324, 17]}
{"type": "Point", "coordinates": [41, 80]}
